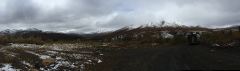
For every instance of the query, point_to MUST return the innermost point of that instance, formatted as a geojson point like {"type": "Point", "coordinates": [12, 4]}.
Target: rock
{"type": "Point", "coordinates": [216, 45]}
{"type": "Point", "coordinates": [48, 61]}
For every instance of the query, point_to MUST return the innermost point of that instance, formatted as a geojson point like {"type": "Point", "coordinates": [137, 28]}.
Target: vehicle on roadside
{"type": "Point", "coordinates": [193, 38]}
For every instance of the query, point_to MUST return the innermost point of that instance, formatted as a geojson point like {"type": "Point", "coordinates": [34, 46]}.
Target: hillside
{"type": "Point", "coordinates": [36, 36]}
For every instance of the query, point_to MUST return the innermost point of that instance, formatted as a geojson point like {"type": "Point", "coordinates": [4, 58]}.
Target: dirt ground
{"type": "Point", "coordinates": [167, 58]}
{"type": "Point", "coordinates": [170, 59]}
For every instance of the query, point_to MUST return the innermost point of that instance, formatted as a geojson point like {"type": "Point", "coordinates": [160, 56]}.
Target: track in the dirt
{"type": "Point", "coordinates": [170, 59]}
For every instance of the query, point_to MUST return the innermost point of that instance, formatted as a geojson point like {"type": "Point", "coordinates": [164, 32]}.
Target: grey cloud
{"type": "Point", "coordinates": [17, 10]}
{"type": "Point", "coordinates": [94, 15]}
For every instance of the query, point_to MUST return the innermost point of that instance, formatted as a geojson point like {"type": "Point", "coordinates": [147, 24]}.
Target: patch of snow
{"type": "Point", "coordinates": [167, 35]}
{"type": "Point", "coordinates": [59, 58]}
{"type": "Point", "coordinates": [56, 48]}
{"type": "Point", "coordinates": [53, 52]}
{"type": "Point", "coordinates": [99, 61]}
{"type": "Point", "coordinates": [89, 60]}
{"type": "Point", "coordinates": [65, 47]}
{"type": "Point", "coordinates": [61, 63]}
{"type": "Point", "coordinates": [8, 67]}
{"type": "Point", "coordinates": [26, 63]}
{"type": "Point", "coordinates": [24, 45]}
{"type": "Point", "coordinates": [73, 66]}
{"type": "Point", "coordinates": [78, 56]}
{"type": "Point", "coordinates": [216, 45]}
{"type": "Point", "coordinates": [42, 69]}
{"type": "Point", "coordinates": [44, 57]}
{"type": "Point", "coordinates": [60, 47]}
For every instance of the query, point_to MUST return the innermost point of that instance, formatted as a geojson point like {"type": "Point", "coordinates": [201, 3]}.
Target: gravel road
{"type": "Point", "coordinates": [170, 59]}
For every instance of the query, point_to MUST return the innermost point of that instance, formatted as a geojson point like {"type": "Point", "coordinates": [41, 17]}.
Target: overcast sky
{"type": "Point", "coordinates": [84, 16]}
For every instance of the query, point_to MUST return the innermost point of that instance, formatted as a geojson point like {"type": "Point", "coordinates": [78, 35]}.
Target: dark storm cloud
{"type": "Point", "coordinates": [98, 15]}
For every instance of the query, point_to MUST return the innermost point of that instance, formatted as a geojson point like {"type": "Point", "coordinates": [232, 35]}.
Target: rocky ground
{"type": "Point", "coordinates": [54, 57]}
